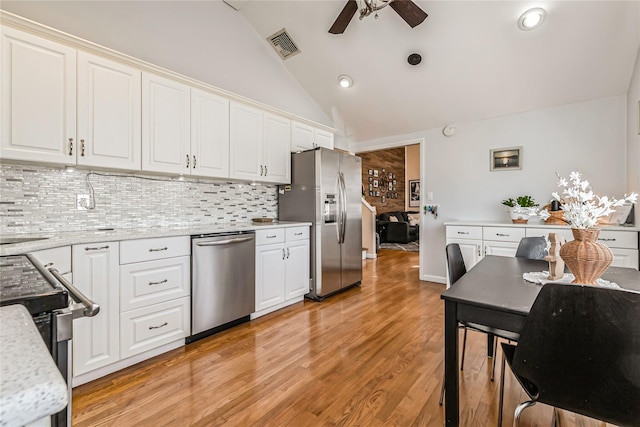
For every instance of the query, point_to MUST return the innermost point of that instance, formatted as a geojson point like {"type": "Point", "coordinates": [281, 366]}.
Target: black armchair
{"type": "Point", "coordinates": [399, 231]}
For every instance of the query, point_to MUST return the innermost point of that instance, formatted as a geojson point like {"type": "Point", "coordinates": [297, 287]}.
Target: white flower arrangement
{"type": "Point", "coordinates": [581, 207]}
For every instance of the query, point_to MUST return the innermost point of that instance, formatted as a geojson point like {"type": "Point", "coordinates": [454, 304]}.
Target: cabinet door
{"type": "Point", "coordinates": [297, 269]}
{"type": "Point", "coordinates": [38, 99]}
{"type": "Point", "coordinates": [302, 137]}
{"type": "Point", "coordinates": [277, 157]}
{"type": "Point", "coordinates": [209, 134]}
{"type": "Point", "coordinates": [324, 139]}
{"type": "Point", "coordinates": [96, 340]}
{"type": "Point", "coordinates": [109, 96]}
{"type": "Point", "coordinates": [270, 275]}
{"type": "Point", "coordinates": [625, 258]}
{"type": "Point", "coordinates": [165, 125]}
{"type": "Point", "coordinates": [246, 141]}
{"type": "Point", "coordinates": [507, 249]}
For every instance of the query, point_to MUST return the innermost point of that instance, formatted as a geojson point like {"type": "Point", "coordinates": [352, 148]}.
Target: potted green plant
{"type": "Point", "coordinates": [521, 209]}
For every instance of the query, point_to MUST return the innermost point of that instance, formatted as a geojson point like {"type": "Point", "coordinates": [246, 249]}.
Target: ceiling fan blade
{"type": "Point", "coordinates": [344, 18]}
{"type": "Point", "coordinates": [409, 11]}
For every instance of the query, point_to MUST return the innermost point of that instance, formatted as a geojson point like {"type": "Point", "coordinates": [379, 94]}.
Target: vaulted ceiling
{"type": "Point", "coordinates": [476, 63]}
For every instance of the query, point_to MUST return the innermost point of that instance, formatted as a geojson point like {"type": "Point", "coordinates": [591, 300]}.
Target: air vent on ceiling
{"type": "Point", "coordinates": [283, 44]}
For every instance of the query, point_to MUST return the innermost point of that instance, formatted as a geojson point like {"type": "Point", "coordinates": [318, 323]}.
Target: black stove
{"type": "Point", "coordinates": [21, 282]}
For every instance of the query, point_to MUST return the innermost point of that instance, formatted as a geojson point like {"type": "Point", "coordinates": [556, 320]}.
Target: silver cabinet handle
{"type": "Point", "coordinates": [159, 326]}
{"type": "Point", "coordinates": [297, 234]}
{"type": "Point", "coordinates": [71, 146]}
{"type": "Point", "coordinates": [479, 251]}
{"type": "Point", "coordinates": [283, 253]}
{"type": "Point", "coordinates": [502, 235]}
{"type": "Point", "coordinates": [158, 249]}
{"type": "Point", "coordinates": [288, 253]}
{"type": "Point", "coordinates": [271, 237]}
{"type": "Point", "coordinates": [88, 307]}
{"type": "Point", "coordinates": [158, 283]}
{"type": "Point", "coordinates": [187, 161]}
{"type": "Point", "coordinates": [607, 240]}
{"type": "Point", "coordinates": [194, 161]}
{"type": "Point", "coordinates": [463, 232]}
{"type": "Point", "coordinates": [224, 242]}
{"type": "Point", "coordinates": [48, 265]}
{"type": "Point", "coordinates": [96, 249]}
{"type": "Point", "coordinates": [266, 171]}
{"type": "Point", "coordinates": [82, 147]}
{"type": "Point", "coordinates": [261, 170]}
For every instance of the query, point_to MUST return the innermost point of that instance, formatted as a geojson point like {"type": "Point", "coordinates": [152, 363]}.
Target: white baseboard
{"type": "Point", "coordinates": [372, 256]}
{"type": "Point", "coordinates": [437, 279]}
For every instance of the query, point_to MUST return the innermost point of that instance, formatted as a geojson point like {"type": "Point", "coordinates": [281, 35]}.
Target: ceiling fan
{"type": "Point", "coordinates": [407, 10]}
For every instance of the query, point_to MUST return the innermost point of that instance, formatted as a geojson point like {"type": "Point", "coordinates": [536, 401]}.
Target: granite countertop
{"type": "Point", "coordinates": [57, 239]}
{"type": "Point", "coordinates": [535, 223]}
{"type": "Point", "coordinates": [31, 386]}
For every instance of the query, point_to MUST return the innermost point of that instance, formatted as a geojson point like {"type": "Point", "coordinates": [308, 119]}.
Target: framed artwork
{"type": "Point", "coordinates": [377, 194]}
{"type": "Point", "coordinates": [375, 183]}
{"type": "Point", "coordinates": [370, 179]}
{"type": "Point", "coordinates": [382, 199]}
{"type": "Point", "coordinates": [394, 182]}
{"type": "Point", "coordinates": [506, 159]}
{"type": "Point", "coordinates": [375, 173]}
{"type": "Point", "coordinates": [390, 186]}
{"type": "Point", "coordinates": [414, 192]}
{"type": "Point", "coordinates": [383, 170]}
{"type": "Point", "coordinates": [370, 187]}
{"type": "Point", "coordinates": [370, 193]}
{"type": "Point", "coordinates": [370, 172]}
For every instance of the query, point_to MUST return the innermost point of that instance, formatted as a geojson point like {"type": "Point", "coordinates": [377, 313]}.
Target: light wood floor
{"type": "Point", "coordinates": [370, 356]}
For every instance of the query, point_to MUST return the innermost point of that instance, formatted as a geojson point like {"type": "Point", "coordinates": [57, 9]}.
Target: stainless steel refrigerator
{"type": "Point", "coordinates": [326, 190]}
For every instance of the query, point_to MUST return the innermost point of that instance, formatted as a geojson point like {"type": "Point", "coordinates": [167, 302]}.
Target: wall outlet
{"type": "Point", "coordinates": [83, 201]}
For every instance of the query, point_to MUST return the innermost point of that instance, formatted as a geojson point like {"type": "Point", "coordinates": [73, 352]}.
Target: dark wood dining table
{"type": "Point", "coordinates": [494, 293]}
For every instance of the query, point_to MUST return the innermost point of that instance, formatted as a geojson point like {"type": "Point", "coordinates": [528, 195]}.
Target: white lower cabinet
{"type": "Point", "coordinates": [96, 341]}
{"type": "Point", "coordinates": [476, 241]}
{"type": "Point", "coordinates": [155, 289]}
{"type": "Point", "coordinates": [149, 327]}
{"type": "Point", "coordinates": [282, 268]}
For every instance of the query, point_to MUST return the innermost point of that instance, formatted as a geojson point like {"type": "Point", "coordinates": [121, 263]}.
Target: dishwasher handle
{"type": "Point", "coordinates": [225, 242]}
{"type": "Point", "coordinates": [86, 307]}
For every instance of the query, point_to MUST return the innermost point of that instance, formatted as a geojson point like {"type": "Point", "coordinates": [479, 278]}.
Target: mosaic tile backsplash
{"type": "Point", "coordinates": [37, 199]}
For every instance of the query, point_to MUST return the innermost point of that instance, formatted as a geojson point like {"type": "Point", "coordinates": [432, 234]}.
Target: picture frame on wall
{"type": "Point", "coordinates": [375, 173]}
{"type": "Point", "coordinates": [370, 172]}
{"type": "Point", "coordinates": [506, 159]}
{"type": "Point", "coordinates": [382, 199]}
{"type": "Point", "coordinates": [377, 194]}
{"type": "Point", "coordinates": [375, 183]}
{"type": "Point", "coordinates": [414, 192]}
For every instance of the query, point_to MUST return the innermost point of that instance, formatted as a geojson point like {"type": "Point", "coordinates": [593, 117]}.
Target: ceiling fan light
{"type": "Point", "coordinates": [531, 19]}
{"type": "Point", "coordinates": [345, 81]}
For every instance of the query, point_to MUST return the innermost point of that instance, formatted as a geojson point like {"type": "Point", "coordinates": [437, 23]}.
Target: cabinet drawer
{"type": "Point", "coordinates": [152, 282]}
{"type": "Point", "coordinates": [150, 327]}
{"type": "Point", "coordinates": [59, 258]}
{"type": "Point", "coordinates": [464, 232]}
{"type": "Point", "coordinates": [272, 235]}
{"type": "Point", "coordinates": [152, 249]}
{"type": "Point", "coordinates": [619, 239]}
{"type": "Point", "coordinates": [503, 234]}
{"type": "Point", "coordinates": [297, 233]}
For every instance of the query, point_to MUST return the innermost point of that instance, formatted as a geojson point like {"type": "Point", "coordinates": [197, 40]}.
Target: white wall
{"type": "Point", "coordinates": [633, 134]}
{"type": "Point", "coordinates": [228, 53]}
{"type": "Point", "coordinates": [589, 137]}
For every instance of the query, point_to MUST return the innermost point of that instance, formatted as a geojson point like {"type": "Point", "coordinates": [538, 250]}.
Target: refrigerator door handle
{"type": "Point", "coordinates": [343, 208]}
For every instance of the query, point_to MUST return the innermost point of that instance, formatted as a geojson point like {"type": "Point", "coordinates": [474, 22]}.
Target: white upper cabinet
{"type": "Point", "coordinates": [259, 145]}
{"type": "Point", "coordinates": [306, 137]}
{"type": "Point", "coordinates": [209, 134]}
{"type": "Point", "coordinates": [165, 125]}
{"type": "Point", "coordinates": [108, 113]}
{"type": "Point", "coordinates": [277, 157]}
{"type": "Point", "coordinates": [38, 99]}
{"type": "Point", "coordinates": [246, 139]}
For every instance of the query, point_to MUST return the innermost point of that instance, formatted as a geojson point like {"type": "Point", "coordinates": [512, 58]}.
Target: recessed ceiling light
{"type": "Point", "coordinates": [345, 81]}
{"type": "Point", "coordinates": [531, 19]}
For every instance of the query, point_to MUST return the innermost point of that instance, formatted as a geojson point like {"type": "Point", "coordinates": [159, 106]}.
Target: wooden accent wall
{"type": "Point", "coordinates": [392, 161]}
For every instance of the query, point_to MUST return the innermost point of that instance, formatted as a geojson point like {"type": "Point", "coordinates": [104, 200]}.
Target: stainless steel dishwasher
{"type": "Point", "coordinates": [222, 282]}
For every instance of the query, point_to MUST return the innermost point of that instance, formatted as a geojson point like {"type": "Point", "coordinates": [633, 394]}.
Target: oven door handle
{"type": "Point", "coordinates": [86, 308]}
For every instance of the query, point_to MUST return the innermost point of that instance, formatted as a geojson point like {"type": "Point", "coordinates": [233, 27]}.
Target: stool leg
{"type": "Point", "coordinates": [495, 356]}
{"type": "Point", "coordinates": [442, 392]}
{"type": "Point", "coordinates": [501, 401]}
